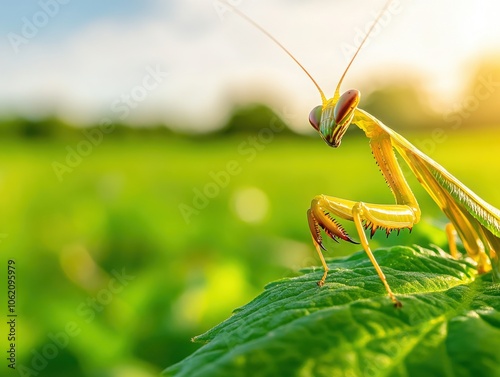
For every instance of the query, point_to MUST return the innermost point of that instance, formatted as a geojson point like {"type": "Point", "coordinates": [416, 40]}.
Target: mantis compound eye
{"type": "Point", "coordinates": [344, 109]}
{"type": "Point", "coordinates": [315, 116]}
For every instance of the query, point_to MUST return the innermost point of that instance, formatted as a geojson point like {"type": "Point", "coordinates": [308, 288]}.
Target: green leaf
{"type": "Point", "coordinates": [449, 324]}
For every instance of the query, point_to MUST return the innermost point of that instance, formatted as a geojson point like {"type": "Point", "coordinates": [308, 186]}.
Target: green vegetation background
{"type": "Point", "coordinates": [118, 210]}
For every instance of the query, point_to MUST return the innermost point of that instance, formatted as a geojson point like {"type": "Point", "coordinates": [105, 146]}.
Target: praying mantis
{"type": "Point", "coordinates": [474, 221]}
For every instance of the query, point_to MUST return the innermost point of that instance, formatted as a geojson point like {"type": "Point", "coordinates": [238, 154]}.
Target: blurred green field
{"type": "Point", "coordinates": [119, 210]}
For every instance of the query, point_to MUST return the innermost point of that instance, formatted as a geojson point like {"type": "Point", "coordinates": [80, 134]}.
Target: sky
{"type": "Point", "coordinates": [188, 62]}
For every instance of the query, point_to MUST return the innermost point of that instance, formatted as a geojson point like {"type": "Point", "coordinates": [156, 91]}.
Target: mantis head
{"type": "Point", "coordinates": [332, 119]}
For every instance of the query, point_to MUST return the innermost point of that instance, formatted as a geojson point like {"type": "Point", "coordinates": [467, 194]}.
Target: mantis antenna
{"type": "Point", "coordinates": [337, 90]}
{"type": "Point", "coordinates": [270, 36]}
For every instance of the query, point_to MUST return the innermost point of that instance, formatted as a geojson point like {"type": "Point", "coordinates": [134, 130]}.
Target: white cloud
{"type": "Point", "coordinates": [215, 64]}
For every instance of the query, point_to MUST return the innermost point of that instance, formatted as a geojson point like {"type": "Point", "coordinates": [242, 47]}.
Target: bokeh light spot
{"type": "Point", "coordinates": [251, 204]}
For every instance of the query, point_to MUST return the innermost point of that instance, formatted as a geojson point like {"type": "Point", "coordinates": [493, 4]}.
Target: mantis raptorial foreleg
{"type": "Point", "coordinates": [365, 215]}
{"type": "Point", "coordinates": [404, 214]}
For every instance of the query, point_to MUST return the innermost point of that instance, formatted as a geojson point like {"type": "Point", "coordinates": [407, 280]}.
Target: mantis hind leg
{"type": "Point", "coordinates": [475, 242]}
{"type": "Point", "coordinates": [364, 215]}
